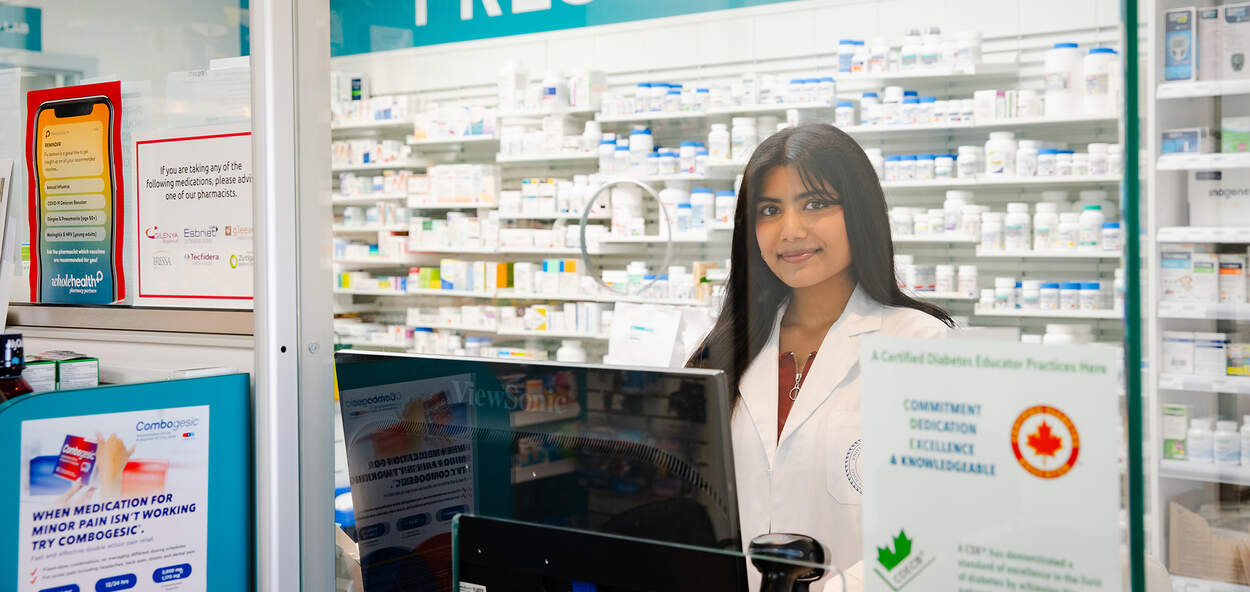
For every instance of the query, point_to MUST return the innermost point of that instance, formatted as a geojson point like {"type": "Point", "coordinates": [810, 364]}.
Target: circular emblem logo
{"type": "Point", "coordinates": [1045, 441]}
{"type": "Point", "coordinates": [853, 466]}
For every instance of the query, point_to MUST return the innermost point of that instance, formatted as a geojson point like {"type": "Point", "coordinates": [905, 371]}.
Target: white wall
{"type": "Point", "coordinates": [772, 32]}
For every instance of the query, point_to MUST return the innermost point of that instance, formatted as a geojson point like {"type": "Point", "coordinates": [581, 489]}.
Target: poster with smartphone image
{"type": "Point", "coordinates": [114, 501]}
{"type": "Point", "coordinates": [75, 210]}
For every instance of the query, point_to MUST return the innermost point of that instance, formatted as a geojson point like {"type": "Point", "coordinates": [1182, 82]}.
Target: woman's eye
{"type": "Point", "coordinates": [819, 205]}
{"type": "Point", "coordinates": [770, 211]}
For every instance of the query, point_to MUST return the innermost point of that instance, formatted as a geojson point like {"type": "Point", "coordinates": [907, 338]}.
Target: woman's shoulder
{"type": "Point", "coordinates": [900, 321]}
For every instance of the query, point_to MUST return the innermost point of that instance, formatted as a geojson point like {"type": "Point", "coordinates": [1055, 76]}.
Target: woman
{"type": "Point", "coordinates": [812, 272]}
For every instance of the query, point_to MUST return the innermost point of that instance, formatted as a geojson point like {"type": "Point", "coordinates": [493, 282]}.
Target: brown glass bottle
{"type": "Point", "coordinates": [12, 385]}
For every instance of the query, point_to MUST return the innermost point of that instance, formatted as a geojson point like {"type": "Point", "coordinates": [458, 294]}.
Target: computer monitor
{"type": "Point", "coordinates": [639, 452]}
{"type": "Point", "coordinates": [493, 554]}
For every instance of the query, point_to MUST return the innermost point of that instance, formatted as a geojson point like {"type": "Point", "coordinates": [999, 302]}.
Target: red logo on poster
{"type": "Point", "coordinates": [1045, 441]}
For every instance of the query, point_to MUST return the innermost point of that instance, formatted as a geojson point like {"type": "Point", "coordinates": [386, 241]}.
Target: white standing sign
{"type": "Point", "coordinates": [114, 501]}
{"type": "Point", "coordinates": [194, 232]}
{"type": "Point", "coordinates": [990, 466]}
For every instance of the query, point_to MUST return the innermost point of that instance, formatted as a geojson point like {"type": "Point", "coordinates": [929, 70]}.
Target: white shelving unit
{"type": "Point", "coordinates": [1205, 384]}
{"type": "Point", "coordinates": [1202, 89]}
{"type": "Point", "coordinates": [398, 165]}
{"type": "Point", "coordinates": [993, 183]}
{"type": "Point", "coordinates": [1203, 162]}
{"type": "Point", "coordinates": [944, 296]}
{"type": "Point", "coordinates": [453, 141]}
{"type": "Point", "coordinates": [368, 228]}
{"type": "Point", "coordinates": [1049, 314]}
{"type": "Point", "coordinates": [1069, 254]}
{"type": "Point", "coordinates": [1212, 311]}
{"type": "Point", "coordinates": [1204, 234]}
{"type": "Point", "coordinates": [371, 125]}
{"type": "Point", "coordinates": [575, 157]}
{"type": "Point", "coordinates": [544, 470]}
{"type": "Point", "coordinates": [943, 239]}
{"type": "Point", "coordinates": [373, 198]}
{"type": "Point", "coordinates": [1022, 123]}
{"type": "Point", "coordinates": [1206, 472]}
{"type": "Point", "coordinates": [523, 419]}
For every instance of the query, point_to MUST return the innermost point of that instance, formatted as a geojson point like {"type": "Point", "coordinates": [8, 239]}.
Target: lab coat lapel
{"type": "Point", "coordinates": [758, 387]}
{"type": "Point", "coordinates": [838, 355]}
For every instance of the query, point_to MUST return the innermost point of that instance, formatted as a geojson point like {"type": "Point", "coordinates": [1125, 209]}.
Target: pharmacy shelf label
{"type": "Point", "coordinates": [395, 24]}
{"type": "Point", "coordinates": [194, 232]}
{"type": "Point", "coordinates": [1042, 459]}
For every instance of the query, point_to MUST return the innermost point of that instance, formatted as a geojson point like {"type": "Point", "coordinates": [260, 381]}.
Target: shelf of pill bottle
{"type": "Point", "coordinates": [1204, 234]}
{"type": "Point", "coordinates": [1207, 472]}
{"type": "Point", "coordinates": [502, 115]}
{"type": "Point", "coordinates": [548, 158]}
{"type": "Point", "coordinates": [1214, 311]}
{"type": "Point", "coordinates": [450, 141]}
{"type": "Point", "coordinates": [354, 342]}
{"type": "Point", "coordinates": [935, 239]}
{"type": "Point", "coordinates": [1203, 162]}
{"type": "Point", "coordinates": [453, 205]}
{"type": "Point", "coordinates": [942, 296]}
{"type": "Point", "coordinates": [365, 292]}
{"type": "Point", "coordinates": [372, 125]}
{"type": "Point", "coordinates": [549, 216]}
{"type": "Point", "coordinates": [366, 199]}
{"type": "Point", "coordinates": [454, 327]}
{"type": "Point", "coordinates": [551, 334]}
{"type": "Point", "coordinates": [983, 253]}
{"type": "Point", "coordinates": [410, 164]}
{"type": "Point", "coordinates": [1029, 183]}
{"type": "Point", "coordinates": [1202, 88]}
{"type": "Point", "coordinates": [988, 311]}
{"type": "Point", "coordinates": [521, 419]}
{"type": "Point", "coordinates": [693, 238]}
{"type": "Point", "coordinates": [1188, 584]}
{"type": "Point", "coordinates": [543, 470]}
{"type": "Point", "coordinates": [452, 250]}
{"type": "Point", "coordinates": [369, 228]}
{"type": "Point", "coordinates": [934, 75]}
{"type": "Point", "coordinates": [1080, 122]}
{"type": "Point", "coordinates": [1205, 384]}
{"type": "Point", "coordinates": [365, 262]}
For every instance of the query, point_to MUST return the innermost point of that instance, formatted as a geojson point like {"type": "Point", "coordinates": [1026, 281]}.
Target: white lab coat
{"type": "Point", "coordinates": [810, 481]}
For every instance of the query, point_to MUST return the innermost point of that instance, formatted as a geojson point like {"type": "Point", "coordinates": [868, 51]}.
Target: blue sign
{"type": "Point", "coordinates": [21, 27]}
{"type": "Point", "coordinates": [379, 25]}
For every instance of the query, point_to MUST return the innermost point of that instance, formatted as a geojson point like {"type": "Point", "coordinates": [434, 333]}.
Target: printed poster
{"type": "Point", "coordinates": [410, 458]}
{"type": "Point", "coordinates": [115, 501]}
{"type": "Point", "coordinates": [76, 200]}
{"type": "Point", "coordinates": [194, 231]}
{"type": "Point", "coordinates": [990, 466]}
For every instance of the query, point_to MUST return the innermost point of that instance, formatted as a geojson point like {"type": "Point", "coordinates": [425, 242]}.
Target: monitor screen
{"type": "Point", "coordinates": [639, 452]}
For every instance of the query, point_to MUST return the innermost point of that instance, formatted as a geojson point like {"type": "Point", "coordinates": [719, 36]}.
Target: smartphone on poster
{"type": "Point", "coordinates": [73, 230]}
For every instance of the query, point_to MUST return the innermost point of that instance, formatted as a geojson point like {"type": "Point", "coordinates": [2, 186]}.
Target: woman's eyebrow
{"type": "Point", "coordinates": [767, 198]}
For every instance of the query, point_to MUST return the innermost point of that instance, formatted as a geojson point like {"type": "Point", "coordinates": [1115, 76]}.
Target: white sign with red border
{"type": "Point", "coordinates": [194, 232]}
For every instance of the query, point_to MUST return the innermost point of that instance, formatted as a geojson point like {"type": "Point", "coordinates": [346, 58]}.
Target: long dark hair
{"type": "Point", "coordinates": [823, 156]}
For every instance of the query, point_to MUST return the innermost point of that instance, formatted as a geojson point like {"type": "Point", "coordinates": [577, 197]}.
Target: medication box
{"type": "Point", "coordinates": [74, 370]}
{"type": "Point", "coordinates": [1179, 44]}
{"type": "Point", "coordinates": [1209, 43]}
{"type": "Point", "coordinates": [1232, 277]}
{"type": "Point", "coordinates": [1178, 352]}
{"type": "Point", "coordinates": [40, 374]}
{"type": "Point", "coordinates": [1235, 134]}
{"type": "Point", "coordinates": [1235, 41]}
{"type": "Point", "coordinates": [1175, 427]}
{"type": "Point", "coordinates": [1192, 140]}
{"type": "Point", "coordinates": [1239, 357]}
{"type": "Point", "coordinates": [1219, 198]}
{"type": "Point", "coordinates": [1210, 354]}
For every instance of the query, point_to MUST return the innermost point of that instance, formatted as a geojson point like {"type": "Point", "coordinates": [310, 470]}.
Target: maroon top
{"type": "Point", "coordinates": [789, 380]}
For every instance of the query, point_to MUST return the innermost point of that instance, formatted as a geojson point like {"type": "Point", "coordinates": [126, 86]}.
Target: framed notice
{"type": "Point", "coordinates": [194, 212]}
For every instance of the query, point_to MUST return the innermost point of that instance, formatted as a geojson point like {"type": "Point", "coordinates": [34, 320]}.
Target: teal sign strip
{"type": "Point", "coordinates": [363, 26]}
{"type": "Point", "coordinates": [21, 27]}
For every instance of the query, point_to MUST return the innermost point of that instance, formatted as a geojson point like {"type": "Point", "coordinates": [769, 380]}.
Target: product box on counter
{"type": "Point", "coordinates": [40, 374]}
{"type": "Point", "coordinates": [73, 370]}
{"type": "Point", "coordinates": [1175, 426]}
{"type": "Point", "coordinates": [1196, 549]}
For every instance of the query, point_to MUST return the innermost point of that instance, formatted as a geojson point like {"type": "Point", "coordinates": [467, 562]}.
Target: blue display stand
{"type": "Point", "coordinates": [170, 424]}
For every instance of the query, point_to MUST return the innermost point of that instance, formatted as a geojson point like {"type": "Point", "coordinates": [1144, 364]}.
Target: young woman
{"type": "Point", "coordinates": [812, 272]}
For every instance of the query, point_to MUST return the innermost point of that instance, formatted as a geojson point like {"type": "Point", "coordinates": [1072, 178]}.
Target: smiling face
{"type": "Point", "coordinates": [801, 230]}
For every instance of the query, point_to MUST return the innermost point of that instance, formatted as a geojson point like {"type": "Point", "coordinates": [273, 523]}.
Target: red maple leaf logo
{"type": "Point", "coordinates": [1043, 442]}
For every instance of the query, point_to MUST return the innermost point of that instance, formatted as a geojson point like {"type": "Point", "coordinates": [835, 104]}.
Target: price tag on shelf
{"type": "Point", "coordinates": [1224, 385]}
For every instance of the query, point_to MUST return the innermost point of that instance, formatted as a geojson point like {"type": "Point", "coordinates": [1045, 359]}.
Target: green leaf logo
{"type": "Point", "coordinates": [889, 559]}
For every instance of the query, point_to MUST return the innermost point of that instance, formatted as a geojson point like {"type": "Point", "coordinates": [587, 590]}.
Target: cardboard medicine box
{"type": "Point", "coordinates": [74, 370]}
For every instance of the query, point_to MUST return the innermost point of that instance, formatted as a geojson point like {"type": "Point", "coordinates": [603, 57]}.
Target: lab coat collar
{"type": "Point", "coordinates": [839, 352]}
{"type": "Point", "coordinates": [837, 357]}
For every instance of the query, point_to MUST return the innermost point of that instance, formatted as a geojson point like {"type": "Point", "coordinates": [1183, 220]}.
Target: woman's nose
{"type": "Point", "coordinates": [792, 226]}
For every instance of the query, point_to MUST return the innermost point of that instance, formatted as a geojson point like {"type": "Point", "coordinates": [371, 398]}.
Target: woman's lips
{"type": "Point", "coordinates": [797, 256]}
